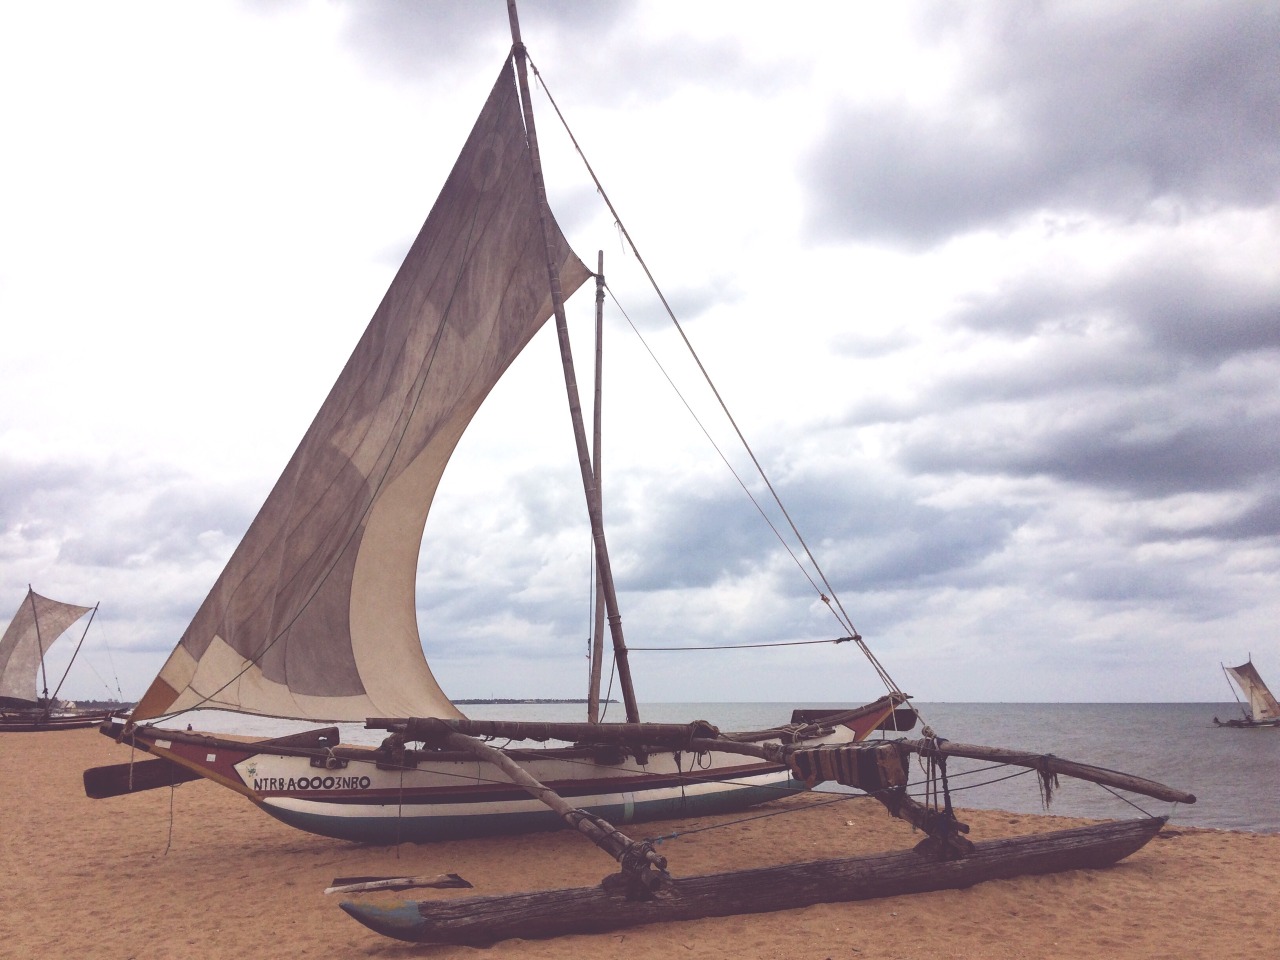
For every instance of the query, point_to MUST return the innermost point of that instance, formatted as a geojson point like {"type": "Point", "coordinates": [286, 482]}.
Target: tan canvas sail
{"type": "Point", "coordinates": [314, 616]}
{"type": "Point", "coordinates": [1262, 705]}
{"type": "Point", "coordinates": [37, 624]}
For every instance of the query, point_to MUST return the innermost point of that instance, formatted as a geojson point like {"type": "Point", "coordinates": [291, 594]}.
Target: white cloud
{"type": "Point", "coordinates": [991, 293]}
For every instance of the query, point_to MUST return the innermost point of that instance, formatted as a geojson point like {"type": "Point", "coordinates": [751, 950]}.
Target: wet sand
{"type": "Point", "coordinates": [198, 871]}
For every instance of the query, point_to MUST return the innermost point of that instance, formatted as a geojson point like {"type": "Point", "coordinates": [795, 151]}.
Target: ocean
{"type": "Point", "coordinates": [1235, 774]}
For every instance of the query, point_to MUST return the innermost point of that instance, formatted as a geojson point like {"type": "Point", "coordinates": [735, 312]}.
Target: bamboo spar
{"type": "Point", "coordinates": [35, 616]}
{"type": "Point", "coordinates": [571, 386]}
{"type": "Point", "coordinates": [639, 860]}
{"type": "Point", "coordinates": [597, 632]}
{"type": "Point", "coordinates": [1046, 762]}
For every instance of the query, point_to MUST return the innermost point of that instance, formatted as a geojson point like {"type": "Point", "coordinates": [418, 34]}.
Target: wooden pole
{"type": "Point", "coordinates": [639, 860]}
{"type": "Point", "coordinates": [597, 633]}
{"type": "Point", "coordinates": [1036, 761]}
{"type": "Point", "coordinates": [571, 383]}
{"type": "Point", "coordinates": [35, 616]}
{"type": "Point", "coordinates": [442, 881]}
{"type": "Point", "coordinates": [1048, 763]}
{"type": "Point", "coordinates": [434, 730]}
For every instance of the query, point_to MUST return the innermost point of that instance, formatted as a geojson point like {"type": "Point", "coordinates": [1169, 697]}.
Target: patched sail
{"type": "Point", "coordinates": [37, 624]}
{"type": "Point", "coordinates": [314, 616]}
{"type": "Point", "coordinates": [1262, 705]}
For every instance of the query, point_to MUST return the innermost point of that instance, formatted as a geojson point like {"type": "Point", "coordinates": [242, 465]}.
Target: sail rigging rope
{"type": "Point", "coordinates": [828, 594]}
{"type": "Point", "coordinates": [742, 646]}
{"type": "Point", "coordinates": [721, 454]}
{"type": "Point", "coordinates": [58, 689]}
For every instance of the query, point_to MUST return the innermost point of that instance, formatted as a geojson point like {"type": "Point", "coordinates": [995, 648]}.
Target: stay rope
{"type": "Point", "coordinates": [826, 591]}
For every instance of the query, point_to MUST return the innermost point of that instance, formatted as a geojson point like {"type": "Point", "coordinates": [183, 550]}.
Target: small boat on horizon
{"type": "Point", "coordinates": [1259, 707]}
{"type": "Point", "coordinates": [26, 705]}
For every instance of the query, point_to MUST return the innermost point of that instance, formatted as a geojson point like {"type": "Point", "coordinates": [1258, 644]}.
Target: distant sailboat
{"type": "Point", "coordinates": [1260, 707]}
{"type": "Point", "coordinates": [314, 618]}
{"type": "Point", "coordinates": [25, 701]}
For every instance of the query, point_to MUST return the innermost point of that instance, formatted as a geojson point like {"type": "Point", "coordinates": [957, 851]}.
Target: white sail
{"type": "Point", "coordinates": [1262, 705]}
{"type": "Point", "coordinates": [37, 624]}
{"type": "Point", "coordinates": [314, 616]}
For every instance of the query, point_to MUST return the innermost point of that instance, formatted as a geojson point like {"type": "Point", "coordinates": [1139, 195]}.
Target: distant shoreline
{"type": "Point", "coordinates": [518, 700]}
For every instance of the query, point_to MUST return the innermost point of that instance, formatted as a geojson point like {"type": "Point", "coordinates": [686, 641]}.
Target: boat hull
{"type": "Point", "coordinates": [1247, 724]}
{"type": "Point", "coordinates": [426, 818]}
{"type": "Point", "coordinates": [355, 793]}
{"type": "Point", "coordinates": [39, 723]}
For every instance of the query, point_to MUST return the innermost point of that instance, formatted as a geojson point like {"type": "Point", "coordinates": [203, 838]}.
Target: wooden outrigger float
{"type": "Point", "coordinates": [479, 921]}
{"type": "Point", "coordinates": [644, 891]}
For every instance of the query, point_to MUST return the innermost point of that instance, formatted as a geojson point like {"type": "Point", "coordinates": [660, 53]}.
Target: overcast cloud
{"type": "Point", "coordinates": [992, 290]}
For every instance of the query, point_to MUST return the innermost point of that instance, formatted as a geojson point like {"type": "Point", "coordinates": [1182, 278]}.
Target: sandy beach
{"type": "Point", "coordinates": [197, 871]}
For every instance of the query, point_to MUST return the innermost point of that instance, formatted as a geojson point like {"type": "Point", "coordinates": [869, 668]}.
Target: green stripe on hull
{"type": "Point", "coordinates": [386, 830]}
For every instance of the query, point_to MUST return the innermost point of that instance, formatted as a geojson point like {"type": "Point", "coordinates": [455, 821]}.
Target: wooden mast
{"type": "Point", "coordinates": [571, 384]}
{"type": "Point", "coordinates": [597, 632]}
{"type": "Point", "coordinates": [35, 617]}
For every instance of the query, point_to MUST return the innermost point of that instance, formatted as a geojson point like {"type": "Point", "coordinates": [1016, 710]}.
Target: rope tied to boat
{"type": "Point", "coordinates": [332, 760]}
{"type": "Point", "coordinates": [643, 869]}
{"type": "Point", "coordinates": [941, 825]}
{"type": "Point", "coordinates": [1048, 780]}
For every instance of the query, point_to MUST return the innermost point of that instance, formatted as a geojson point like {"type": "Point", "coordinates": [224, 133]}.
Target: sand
{"type": "Point", "coordinates": [198, 871]}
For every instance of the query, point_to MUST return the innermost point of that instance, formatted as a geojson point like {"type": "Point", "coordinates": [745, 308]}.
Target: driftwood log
{"type": "Point", "coordinates": [484, 920]}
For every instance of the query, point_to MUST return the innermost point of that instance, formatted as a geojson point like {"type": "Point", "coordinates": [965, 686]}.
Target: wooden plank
{"type": "Point", "coordinates": [118, 779]}
{"type": "Point", "coordinates": [436, 730]}
{"type": "Point", "coordinates": [365, 884]}
{"type": "Point", "coordinates": [480, 921]}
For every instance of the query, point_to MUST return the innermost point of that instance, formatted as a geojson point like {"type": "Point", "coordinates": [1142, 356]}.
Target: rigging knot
{"type": "Point", "coordinates": [393, 748]}
{"type": "Point", "coordinates": [1047, 778]}
{"type": "Point", "coordinates": [639, 855]}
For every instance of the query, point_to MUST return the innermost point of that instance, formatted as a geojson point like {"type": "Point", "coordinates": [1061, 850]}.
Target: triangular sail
{"type": "Point", "coordinates": [1262, 705]}
{"type": "Point", "coordinates": [37, 624]}
{"type": "Point", "coordinates": [314, 616]}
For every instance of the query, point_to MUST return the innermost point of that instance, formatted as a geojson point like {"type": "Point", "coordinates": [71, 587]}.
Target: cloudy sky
{"type": "Point", "coordinates": [992, 290]}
